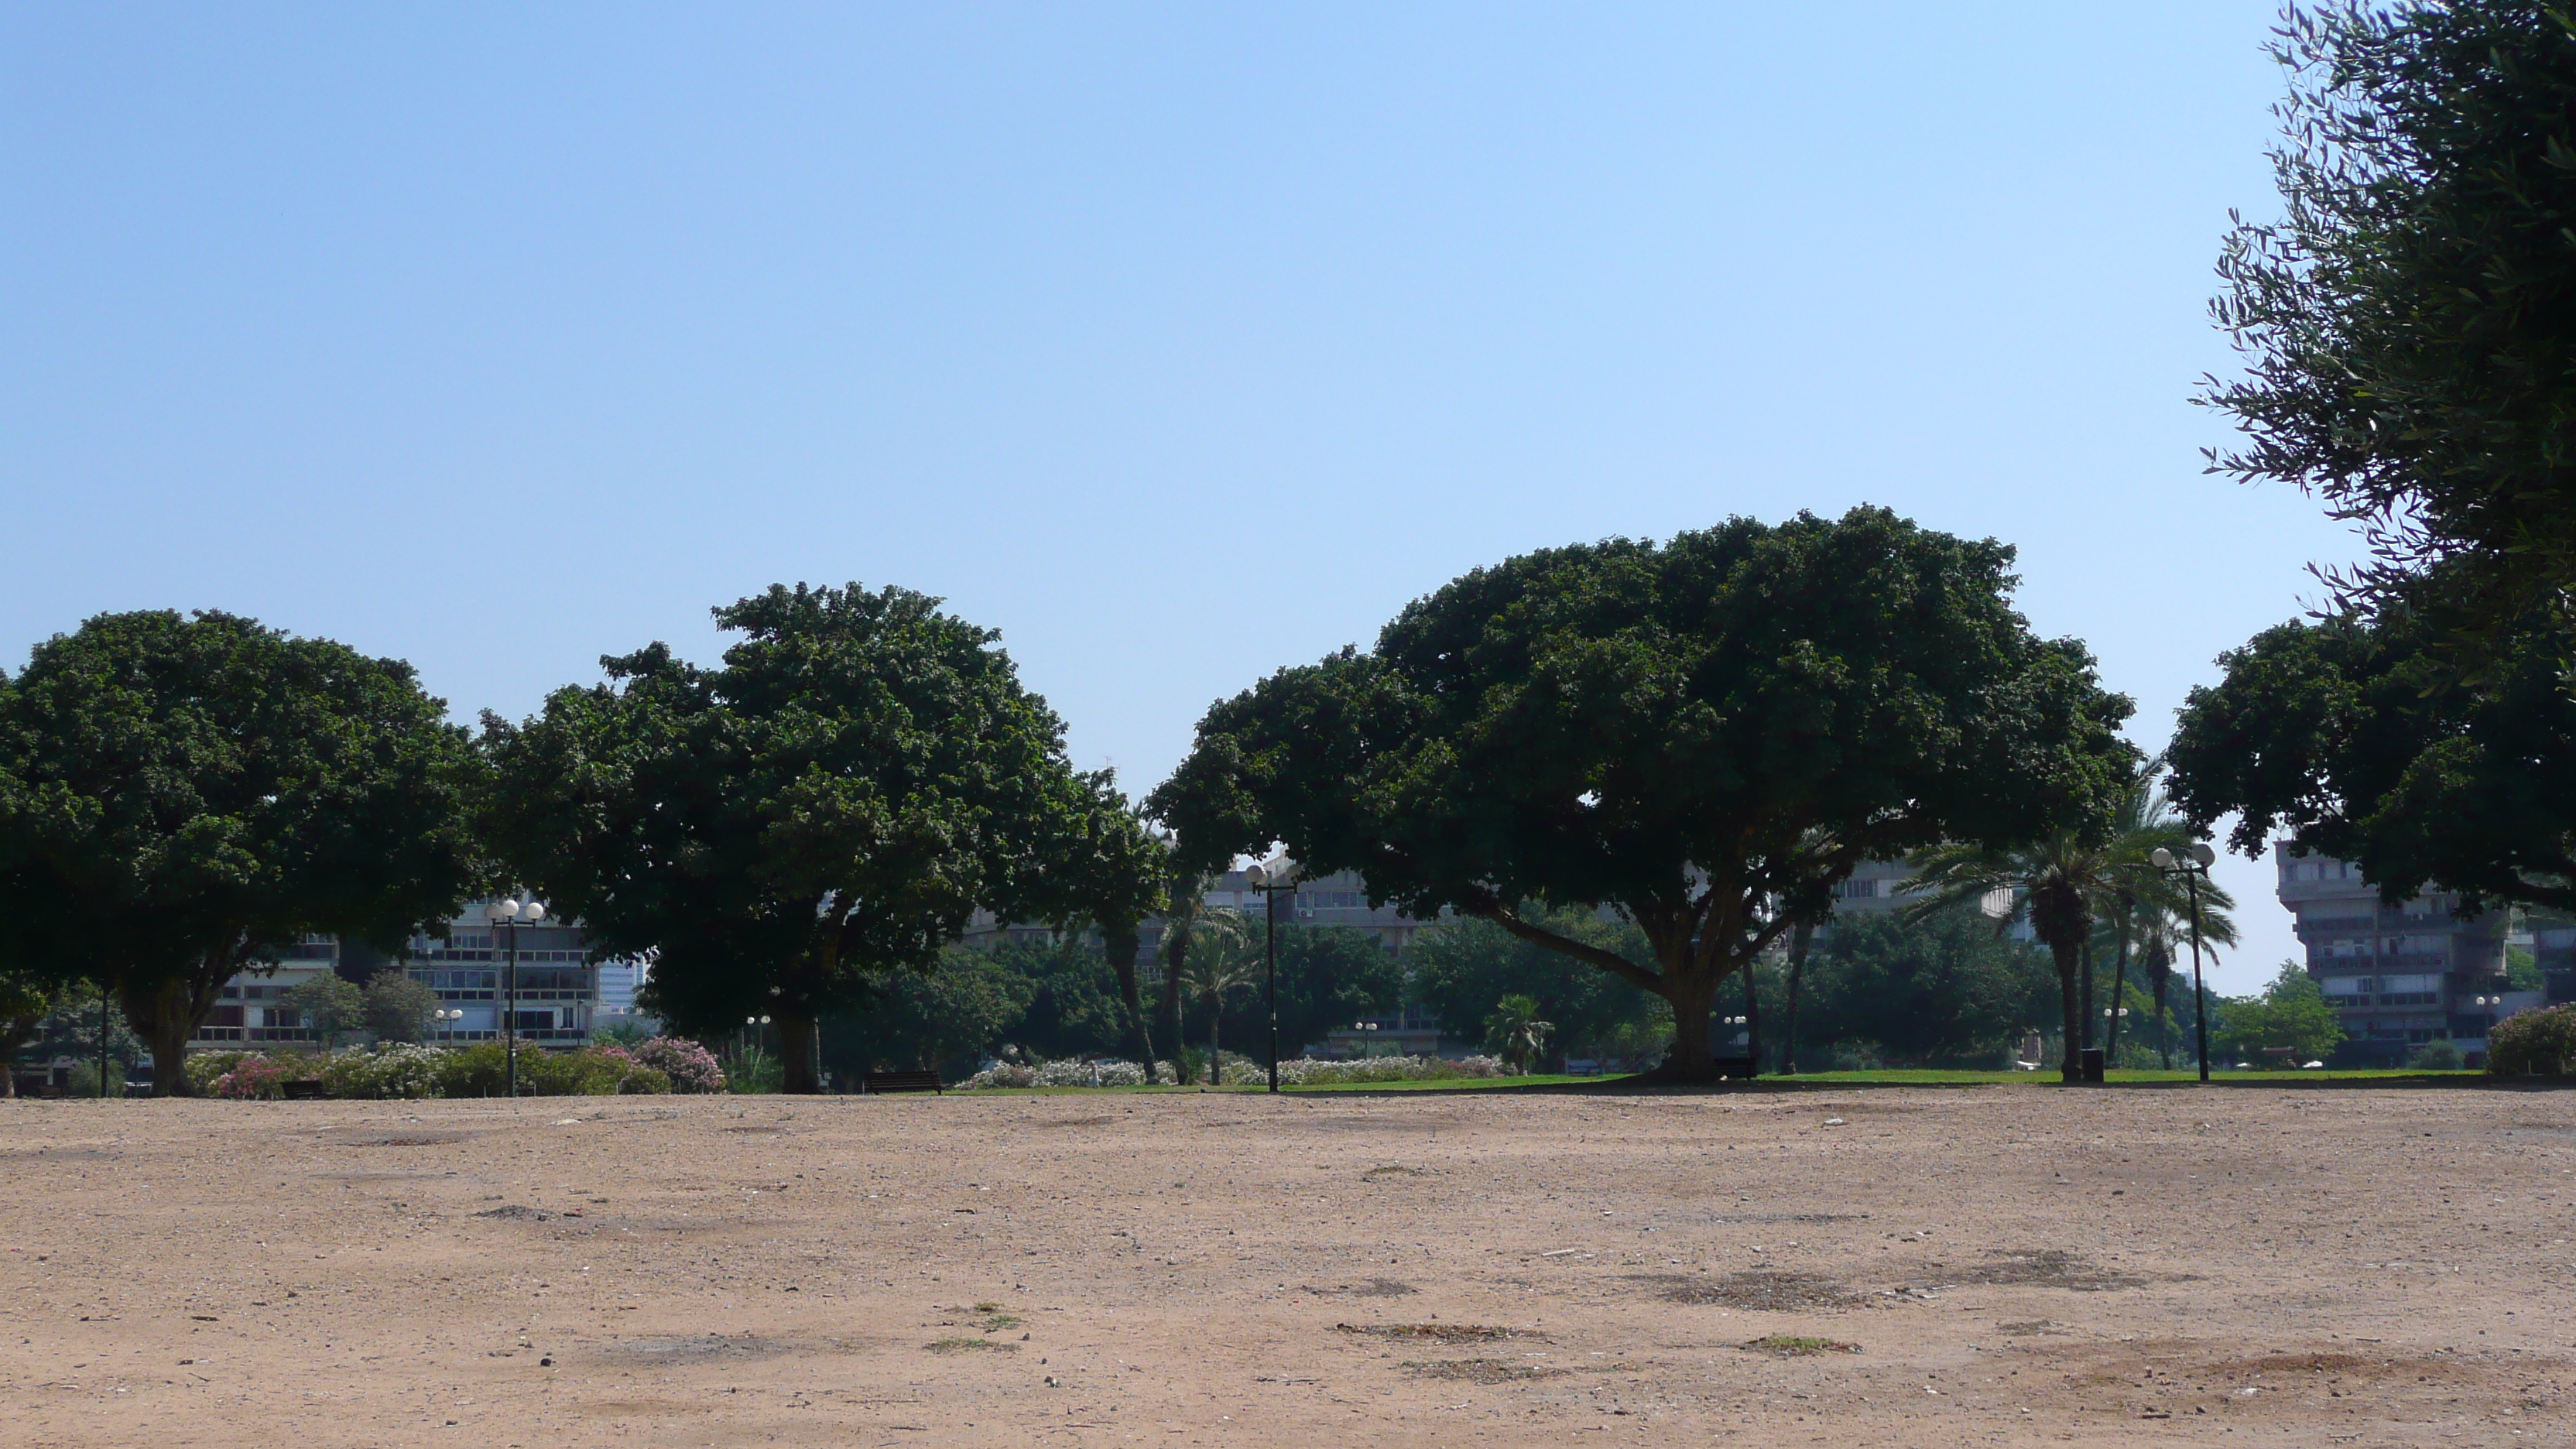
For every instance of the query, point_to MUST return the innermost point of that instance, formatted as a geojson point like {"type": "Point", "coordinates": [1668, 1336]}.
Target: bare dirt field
{"type": "Point", "coordinates": [2015, 1265]}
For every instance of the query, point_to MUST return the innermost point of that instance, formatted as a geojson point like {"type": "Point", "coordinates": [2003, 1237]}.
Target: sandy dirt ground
{"type": "Point", "coordinates": [2009, 1266]}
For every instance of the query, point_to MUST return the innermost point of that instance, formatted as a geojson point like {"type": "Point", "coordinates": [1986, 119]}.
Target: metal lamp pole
{"type": "Point", "coordinates": [507, 914]}
{"type": "Point", "coordinates": [1255, 878]}
{"type": "Point", "coordinates": [2202, 858]}
{"type": "Point", "coordinates": [102, 1042]}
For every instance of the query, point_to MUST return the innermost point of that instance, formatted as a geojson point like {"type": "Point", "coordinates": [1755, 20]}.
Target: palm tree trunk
{"type": "Point", "coordinates": [1799, 936]}
{"type": "Point", "coordinates": [1216, 1063]}
{"type": "Point", "coordinates": [2119, 986]}
{"type": "Point", "coordinates": [2070, 1067]}
{"type": "Point", "coordinates": [2088, 989]}
{"type": "Point", "coordinates": [2164, 1023]}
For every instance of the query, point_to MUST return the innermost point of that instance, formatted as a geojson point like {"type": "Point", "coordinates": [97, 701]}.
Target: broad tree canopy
{"type": "Point", "coordinates": [1706, 734]}
{"type": "Point", "coordinates": [189, 796]}
{"type": "Point", "coordinates": [2409, 319]}
{"type": "Point", "coordinates": [2346, 733]}
{"type": "Point", "coordinates": [833, 803]}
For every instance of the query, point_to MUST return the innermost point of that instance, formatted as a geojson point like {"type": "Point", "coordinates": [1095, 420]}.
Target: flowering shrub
{"type": "Point", "coordinates": [251, 1078]}
{"type": "Point", "coordinates": [1309, 1072]}
{"type": "Point", "coordinates": [405, 1072]}
{"type": "Point", "coordinates": [689, 1066]}
{"type": "Point", "coordinates": [1070, 1072]}
{"type": "Point", "coordinates": [202, 1068]}
{"type": "Point", "coordinates": [1240, 1072]}
{"type": "Point", "coordinates": [1001, 1074]}
{"type": "Point", "coordinates": [2533, 1043]}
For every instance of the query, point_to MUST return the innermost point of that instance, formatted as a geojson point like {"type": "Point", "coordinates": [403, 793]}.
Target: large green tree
{"type": "Point", "coordinates": [830, 805]}
{"type": "Point", "coordinates": [189, 796]}
{"type": "Point", "coordinates": [2291, 1012]}
{"type": "Point", "coordinates": [2344, 733]}
{"type": "Point", "coordinates": [1669, 729]}
{"type": "Point", "coordinates": [2409, 320]}
{"type": "Point", "coordinates": [1117, 874]}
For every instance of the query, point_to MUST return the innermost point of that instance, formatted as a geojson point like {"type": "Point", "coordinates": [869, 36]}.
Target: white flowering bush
{"type": "Point", "coordinates": [1070, 1072]}
{"type": "Point", "coordinates": [1308, 1072]}
{"type": "Point", "coordinates": [406, 1071]}
{"type": "Point", "coordinates": [1001, 1074]}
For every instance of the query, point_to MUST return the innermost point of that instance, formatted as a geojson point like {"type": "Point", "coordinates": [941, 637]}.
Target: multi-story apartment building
{"type": "Point", "coordinates": [558, 995]}
{"type": "Point", "coordinates": [2398, 976]}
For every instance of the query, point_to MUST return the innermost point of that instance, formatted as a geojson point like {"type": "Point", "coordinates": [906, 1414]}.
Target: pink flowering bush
{"type": "Point", "coordinates": [251, 1077]}
{"type": "Point", "coordinates": [690, 1067]}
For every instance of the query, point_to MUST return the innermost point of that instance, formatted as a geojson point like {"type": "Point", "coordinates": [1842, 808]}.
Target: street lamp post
{"type": "Point", "coordinates": [2202, 858]}
{"type": "Point", "coordinates": [507, 914]}
{"type": "Point", "coordinates": [447, 1017]}
{"type": "Point", "coordinates": [1270, 885]}
{"type": "Point", "coordinates": [102, 1043]}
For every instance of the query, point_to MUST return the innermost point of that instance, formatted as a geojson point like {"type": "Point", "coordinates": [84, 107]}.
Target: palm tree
{"type": "Point", "coordinates": [1219, 967]}
{"type": "Point", "coordinates": [2163, 939]}
{"type": "Point", "coordinates": [1186, 920]}
{"type": "Point", "coordinates": [2062, 885]}
{"type": "Point", "coordinates": [1515, 1030]}
{"type": "Point", "coordinates": [2153, 915]}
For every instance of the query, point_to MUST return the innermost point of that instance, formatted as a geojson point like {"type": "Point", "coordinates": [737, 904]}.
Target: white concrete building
{"type": "Point", "coordinates": [2398, 976]}
{"type": "Point", "coordinates": [559, 993]}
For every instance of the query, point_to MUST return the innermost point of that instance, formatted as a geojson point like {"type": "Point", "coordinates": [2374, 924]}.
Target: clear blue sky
{"type": "Point", "coordinates": [1177, 344]}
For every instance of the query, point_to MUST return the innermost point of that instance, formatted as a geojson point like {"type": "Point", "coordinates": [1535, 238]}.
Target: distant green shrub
{"type": "Point", "coordinates": [2435, 1056]}
{"type": "Point", "coordinates": [749, 1069]}
{"type": "Point", "coordinates": [2533, 1044]}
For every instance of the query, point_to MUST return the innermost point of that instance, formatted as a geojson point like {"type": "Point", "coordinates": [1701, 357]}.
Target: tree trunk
{"type": "Point", "coordinates": [2070, 1064]}
{"type": "Point", "coordinates": [1216, 1063]}
{"type": "Point", "coordinates": [1122, 945]}
{"type": "Point", "coordinates": [1799, 936]}
{"type": "Point", "coordinates": [2090, 1009]}
{"type": "Point", "coordinates": [1175, 950]}
{"type": "Point", "coordinates": [2163, 975]}
{"type": "Point", "coordinates": [15, 1032]}
{"type": "Point", "coordinates": [165, 1014]}
{"type": "Point", "coordinates": [1692, 994]}
{"type": "Point", "coordinates": [2119, 992]}
{"type": "Point", "coordinates": [796, 1054]}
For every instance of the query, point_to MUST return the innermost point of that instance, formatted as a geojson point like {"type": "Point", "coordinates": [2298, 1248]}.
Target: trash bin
{"type": "Point", "coordinates": [2091, 1064]}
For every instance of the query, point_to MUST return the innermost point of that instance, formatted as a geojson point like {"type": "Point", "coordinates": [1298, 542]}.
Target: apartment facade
{"type": "Point", "coordinates": [559, 992]}
{"type": "Point", "coordinates": [2397, 976]}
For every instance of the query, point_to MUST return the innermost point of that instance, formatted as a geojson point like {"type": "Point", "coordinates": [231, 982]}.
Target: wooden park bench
{"type": "Point", "coordinates": [1735, 1066]}
{"type": "Point", "coordinates": [873, 1083]}
{"type": "Point", "coordinates": [304, 1091]}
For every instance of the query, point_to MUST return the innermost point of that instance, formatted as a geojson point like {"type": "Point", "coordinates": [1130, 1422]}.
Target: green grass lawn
{"type": "Point", "coordinates": [1892, 1078]}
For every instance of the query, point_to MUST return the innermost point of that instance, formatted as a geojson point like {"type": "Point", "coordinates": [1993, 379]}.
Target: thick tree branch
{"type": "Point", "coordinates": [1610, 961]}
